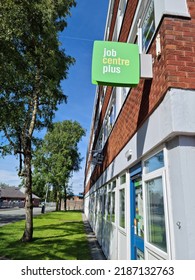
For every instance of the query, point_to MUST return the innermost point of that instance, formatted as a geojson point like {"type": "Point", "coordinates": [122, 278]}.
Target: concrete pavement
{"type": "Point", "coordinates": [96, 251]}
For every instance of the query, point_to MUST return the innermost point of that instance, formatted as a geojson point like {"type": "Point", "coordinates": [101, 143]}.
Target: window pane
{"type": "Point", "coordinates": [123, 179]}
{"type": "Point", "coordinates": [139, 215]}
{"type": "Point", "coordinates": [113, 185]}
{"type": "Point", "coordinates": [122, 208]}
{"type": "Point", "coordinates": [155, 213]}
{"type": "Point", "coordinates": [104, 203]}
{"type": "Point", "coordinates": [109, 206]}
{"type": "Point", "coordinates": [148, 27]}
{"type": "Point", "coordinates": [139, 254]}
{"type": "Point", "coordinates": [154, 163]}
{"type": "Point", "coordinates": [113, 207]}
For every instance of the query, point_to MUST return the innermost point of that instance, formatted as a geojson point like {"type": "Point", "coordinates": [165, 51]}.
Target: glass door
{"type": "Point", "coordinates": [137, 216]}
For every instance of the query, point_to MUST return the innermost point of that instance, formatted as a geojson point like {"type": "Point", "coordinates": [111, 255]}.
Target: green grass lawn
{"type": "Point", "coordinates": [56, 236]}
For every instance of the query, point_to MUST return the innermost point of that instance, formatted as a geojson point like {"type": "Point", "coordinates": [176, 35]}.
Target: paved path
{"type": "Point", "coordinates": [10, 215]}
{"type": "Point", "coordinates": [96, 251]}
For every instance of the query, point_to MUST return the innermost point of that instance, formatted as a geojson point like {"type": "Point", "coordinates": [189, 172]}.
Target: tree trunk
{"type": "Point", "coordinates": [58, 201]}
{"type": "Point", "coordinates": [65, 199]}
{"type": "Point", "coordinates": [28, 231]}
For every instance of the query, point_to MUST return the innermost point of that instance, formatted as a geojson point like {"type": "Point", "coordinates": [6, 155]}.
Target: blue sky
{"type": "Point", "coordinates": [86, 24]}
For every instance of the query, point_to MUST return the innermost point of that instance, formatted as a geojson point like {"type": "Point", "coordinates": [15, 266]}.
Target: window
{"type": "Point", "coordinates": [124, 93]}
{"type": "Point", "coordinates": [109, 206]}
{"type": "Point", "coordinates": [96, 203]}
{"type": "Point", "coordinates": [100, 203]}
{"type": "Point", "coordinates": [111, 202]}
{"type": "Point", "coordinates": [122, 6]}
{"type": "Point", "coordinates": [105, 129]}
{"type": "Point", "coordinates": [104, 202]}
{"type": "Point", "coordinates": [109, 186]}
{"type": "Point", "coordinates": [123, 179]}
{"type": "Point", "coordinates": [139, 215]}
{"type": "Point", "coordinates": [102, 96]}
{"type": "Point", "coordinates": [91, 206]}
{"type": "Point", "coordinates": [99, 145]}
{"type": "Point", "coordinates": [113, 208]}
{"type": "Point", "coordinates": [155, 162]}
{"type": "Point", "coordinates": [121, 12]}
{"type": "Point", "coordinates": [115, 33]}
{"type": "Point", "coordinates": [157, 235]}
{"type": "Point", "coordinates": [122, 208]}
{"type": "Point", "coordinates": [108, 121]}
{"type": "Point", "coordinates": [148, 27]}
{"type": "Point", "coordinates": [148, 16]}
{"type": "Point", "coordinates": [122, 201]}
{"type": "Point", "coordinates": [155, 213]}
{"type": "Point", "coordinates": [113, 185]}
{"type": "Point", "coordinates": [112, 116]}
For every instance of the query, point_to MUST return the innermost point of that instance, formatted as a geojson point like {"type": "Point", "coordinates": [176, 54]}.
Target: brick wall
{"type": "Point", "coordinates": [174, 68]}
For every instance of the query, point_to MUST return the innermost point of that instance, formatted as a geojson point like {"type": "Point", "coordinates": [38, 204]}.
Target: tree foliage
{"type": "Point", "coordinates": [32, 66]}
{"type": "Point", "coordinates": [58, 156]}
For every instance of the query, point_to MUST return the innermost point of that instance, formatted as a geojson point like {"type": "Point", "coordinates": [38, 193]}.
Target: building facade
{"type": "Point", "coordinates": [140, 167]}
{"type": "Point", "coordinates": [74, 202]}
{"type": "Point", "coordinates": [15, 197]}
{"type": "Point", "coordinates": [11, 197]}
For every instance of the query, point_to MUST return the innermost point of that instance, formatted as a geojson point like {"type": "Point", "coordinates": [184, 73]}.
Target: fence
{"type": "Point", "coordinates": [11, 204]}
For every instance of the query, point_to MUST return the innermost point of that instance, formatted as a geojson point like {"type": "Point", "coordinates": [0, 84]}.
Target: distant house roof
{"type": "Point", "coordinates": [35, 196]}
{"type": "Point", "coordinates": [75, 195]}
{"type": "Point", "coordinates": [22, 189]}
{"type": "Point", "coordinates": [79, 195]}
{"type": "Point", "coordinates": [11, 192]}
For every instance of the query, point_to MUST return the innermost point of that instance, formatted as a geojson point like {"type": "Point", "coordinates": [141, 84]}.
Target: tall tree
{"type": "Point", "coordinates": [32, 66]}
{"type": "Point", "coordinates": [58, 156]}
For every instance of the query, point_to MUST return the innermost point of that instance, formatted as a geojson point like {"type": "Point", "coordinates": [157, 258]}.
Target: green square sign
{"type": "Point", "coordinates": [115, 64]}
